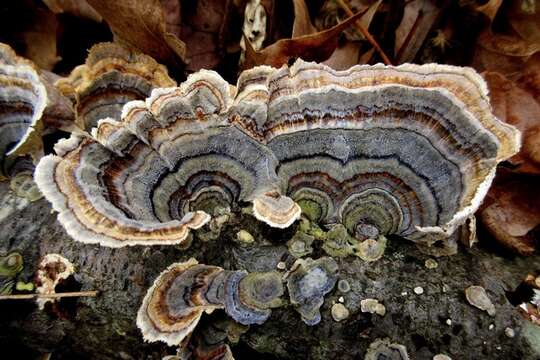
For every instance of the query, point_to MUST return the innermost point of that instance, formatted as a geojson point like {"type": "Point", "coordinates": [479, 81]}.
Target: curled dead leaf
{"type": "Point", "coordinates": [79, 8]}
{"type": "Point", "coordinates": [313, 47]}
{"type": "Point", "coordinates": [518, 107]}
{"type": "Point", "coordinates": [490, 9]}
{"type": "Point", "coordinates": [512, 212]}
{"type": "Point", "coordinates": [141, 25]}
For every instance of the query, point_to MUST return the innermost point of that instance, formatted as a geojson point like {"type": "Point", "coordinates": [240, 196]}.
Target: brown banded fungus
{"type": "Point", "coordinates": [160, 171]}
{"type": "Point", "coordinates": [180, 295]}
{"type": "Point", "coordinates": [112, 76]}
{"type": "Point", "coordinates": [408, 150]}
{"type": "Point", "coordinates": [23, 98]}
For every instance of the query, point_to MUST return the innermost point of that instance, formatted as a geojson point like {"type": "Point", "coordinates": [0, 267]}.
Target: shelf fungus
{"type": "Point", "coordinates": [23, 98]}
{"type": "Point", "coordinates": [112, 76]}
{"type": "Point", "coordinates": [180, 295]}
{"type": "Point", "coordinates": [308, 282]}
{"type": "Point", "coordinates": [408, 151]}
{"type": "Point", "coordinates": [160, 171]}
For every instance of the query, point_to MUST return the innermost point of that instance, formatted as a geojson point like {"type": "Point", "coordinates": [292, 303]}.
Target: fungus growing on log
{"type": "Point", "coordinates": [170, 162]}
{"type": "Point", "coordinates": [408, 150]}
{"type": "Point", "coordinates": [11, 264]}
{"type": "Point", "coordinates": [30, 107]}
{"type": "Point", "coordinates": [23, 99]}
{"type": "Point", "coordinates": [180, 295]}
{"type": "Point", "coordinates": [308, 281]}
{"type": "Point", "coordinates": [112, 76]}
{"type": "Point", "coordinates": [52, 270]}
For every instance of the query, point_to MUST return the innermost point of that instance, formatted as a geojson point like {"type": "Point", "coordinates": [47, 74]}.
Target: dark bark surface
{"type": "Point", "coordinates": [104, 327]}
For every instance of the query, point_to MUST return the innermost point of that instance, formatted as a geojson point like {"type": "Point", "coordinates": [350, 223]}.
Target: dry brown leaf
{"type": "Point", "coordinates": [490, 9]}
{"type": "Point", "coordinates": [315, 47]}
{"type": "Point", "coordinates": [507, 45]}
{"type": "Point", "coordinates": [344, 56]}
{"type": "Point", "coordinates": [418, 19]}
{"type": "Point", "coordinates": [40, 39]}
{"type": "Point", "coordinates": [367, 18]}
{"type": "Point", "coordinates": [525, 20]}
{"type": "Point", "coordinates": [519, 108]}
{"type": "Point", "coordinates": [530, 78]}
{"type": "Point", "coordinates": [512, 212]}
{"type": "Point", "coordinates": [302, 23]}
{"type": "Point", "coordinates": [202, 27]}
{"type": "Point", "coordinates": [366, 57]}
{"type": "Point", "coordinates": [141, 24]}
{"type": "Point", "coordinates": [505, 54]}
{"type": "Point", "coordinates": [173, 16]}
{"type": "Point", "coordinates": [78, 8]}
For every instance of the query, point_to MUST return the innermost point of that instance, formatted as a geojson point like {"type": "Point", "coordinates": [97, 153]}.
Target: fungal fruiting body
{"type": "Point", "coordinates": [52, 270]}
{"type": "Point", "coordinates": [408, 150]}
{"type": "Point", "coordinates": [160, 171]}
{"type": "Point", "coordinates": [23, 99]}
{"type": "Point", "coordinates": [111, 76]}
{"type": "Point", "coordinates": [180, 295]}
{"type": "Point", "coordinates": [11, 264]}
{"type": "Point", "coordinates": [308, 281]}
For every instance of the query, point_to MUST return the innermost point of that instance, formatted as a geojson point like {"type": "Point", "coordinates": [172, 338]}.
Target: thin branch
{"type": "Point", "coordinates": [365, 32]}
{"type": "Point", "coordinates": [50, 296]}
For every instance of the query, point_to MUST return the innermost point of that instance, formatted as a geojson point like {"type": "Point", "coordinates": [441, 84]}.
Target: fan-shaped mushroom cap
{"type": "Point", "coordinates": [308, 281]}
{"type": "Point", "coordinates": [149, 178]}
{"type": "Point", "coordinates": [176, 301]}
{"type": "Point", "coordinates": [407, 150]}
{"type": "Point", "coordinates": [23, 99]}
{"type": "Point", "coordinates": [112, 76]}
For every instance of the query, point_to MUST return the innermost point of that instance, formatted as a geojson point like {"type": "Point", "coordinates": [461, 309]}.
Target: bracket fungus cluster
{"type": "Point", "coordinates": [23, 98]}
{"type": "Point", "coordinates": [180, 295]}
{"type": "Point", "coordinates": [112, 76]}
{"type": "Point", "coordinates": [408, 150]}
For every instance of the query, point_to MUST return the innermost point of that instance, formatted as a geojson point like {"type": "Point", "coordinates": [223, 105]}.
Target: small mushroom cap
{"type": "Point", "coordinates": [167, 316]}
{"type": "Point", "coordinates": [11, 264]}
{"type": "Point", "coordinates": [23, 98]}
{"type": "Point", "coordinates": [249, 297]}
{"type": "Point", "coordinates": [112, 76]}
{"type": "Point", "coordinates": [52, 269]}
{"type": "Point", "coordinates": [339, 312]}
{"type": "Point", "coordinates": [308, 282]}
{"type": "Point", "coordinates": [300, 244]}
{"type": "Point", "coordinates": [276, 210]}
{"type": "Point", "coordinates": [371, 249]}
{"type": "Point", "coordinates": [477, 296]}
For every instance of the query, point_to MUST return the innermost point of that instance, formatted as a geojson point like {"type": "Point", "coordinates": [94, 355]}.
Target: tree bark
{"type": "Point", "coordinates": [104, 327]}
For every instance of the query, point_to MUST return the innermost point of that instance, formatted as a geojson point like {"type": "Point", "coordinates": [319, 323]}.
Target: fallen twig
{"type": "Point", "coordinates": [50, 296]}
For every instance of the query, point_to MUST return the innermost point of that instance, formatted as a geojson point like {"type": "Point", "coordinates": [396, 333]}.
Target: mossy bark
{"type": "Point", "coordinates": [104, 327]}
